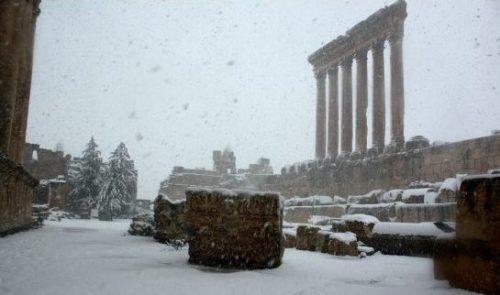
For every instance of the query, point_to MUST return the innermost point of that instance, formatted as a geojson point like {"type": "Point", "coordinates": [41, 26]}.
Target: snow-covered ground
{"type": "Point", "coordinates": [92, 257]}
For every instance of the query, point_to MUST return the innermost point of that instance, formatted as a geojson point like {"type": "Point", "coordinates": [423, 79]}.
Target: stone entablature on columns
{"type": "Point", "coordinates": [379, 25]}
{"type": "Point", "coordinates": [370, 34]}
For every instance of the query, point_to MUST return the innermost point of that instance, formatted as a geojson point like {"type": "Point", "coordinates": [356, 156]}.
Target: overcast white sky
{"type": "Point", "coordinates": [175, 80]}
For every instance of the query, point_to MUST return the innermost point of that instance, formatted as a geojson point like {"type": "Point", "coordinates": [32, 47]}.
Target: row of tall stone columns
{"type": "Point", "coordinates": [17, 28]}
{"type": "Point", "coordinates": [327, 144]}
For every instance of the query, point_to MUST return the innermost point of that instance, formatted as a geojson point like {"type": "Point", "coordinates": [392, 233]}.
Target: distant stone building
{"type": "Point", "coordinates": [261, 167]}
{"type": "Point", "coordinates": [257, 176]}
{"type": "Point", "coordinates": [51, 168]}
{"type": "Point", "coordinates": [224, 162]}
{"type": "Point", "coordinates": [44, 163]}
{"type": "Point", "coordinates": [181, 178]}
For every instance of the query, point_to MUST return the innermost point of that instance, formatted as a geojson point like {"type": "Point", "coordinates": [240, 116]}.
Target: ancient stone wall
{"type": "Point", "coordinates": [234, 229]}
{"type": "Point", "coordinates": [387, 171]}
{"type": "Point", "coordinates": [44, 163]}
{"type": "Point", "coordinates": [16, 192]}
{"type": "Point", "coordinates": [399, 212]}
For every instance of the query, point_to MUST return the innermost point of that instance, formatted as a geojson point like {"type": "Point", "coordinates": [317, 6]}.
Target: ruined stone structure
{"type": "Point", "coordinates": [471, 258]}
{"type": "Point", "coordinates": [234, 229]}
{"type": "Point", "coordinates": [224, 162]}
{"type": "Point", "coordinates": [45, 163]}
{"type": "Point", "coordinates": [390, 170]}
{"type": "Point", "coordinates": [51, 168]}
{"type": "Point", "coordinates": [256, 177]}
{"type": "Point", "coordinates": [263, 166]}
{"type": "Point", "coordinates": [181, 178]}
{"type": "Point", "coordinates": [370, 35]}
{"type": "Point", "coordinates": [17, 31]}
{"type": "Point", "coordinates": [53, 193]}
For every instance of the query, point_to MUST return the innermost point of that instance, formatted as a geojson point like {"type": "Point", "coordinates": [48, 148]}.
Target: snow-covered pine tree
{"type": "Point", "coordinates": [87, 181]}
{"type": "Point", "coordinates": [120, 183]}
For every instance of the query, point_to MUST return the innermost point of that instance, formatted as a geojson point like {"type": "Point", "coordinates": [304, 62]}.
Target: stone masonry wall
{"type": "Point", "coordinates": [49, 164]}
{"type": "Point", "coordinates": [390, 170]}
{"type": "Point", "coordinates": [16, 193]}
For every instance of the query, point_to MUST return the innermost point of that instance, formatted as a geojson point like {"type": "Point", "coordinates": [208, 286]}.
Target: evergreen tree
{"type": "Point", "coordinates": [120, 183]}
{"type": "Point", "coordinates": [88, 180]}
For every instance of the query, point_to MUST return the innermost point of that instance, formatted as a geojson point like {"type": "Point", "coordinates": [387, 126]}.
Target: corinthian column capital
{"type": "Point", "coordinates": [320, 75]}
{"type": "Point", "coordinates": [361, 54]}
{"type": "Point", "coordinates": [346, 62]}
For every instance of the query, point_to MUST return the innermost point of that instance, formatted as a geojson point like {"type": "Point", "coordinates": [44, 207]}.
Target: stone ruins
{"type": "Point", "coordinates": [371, 34]}
{"type": "Point", "coordinates": [17, 31]}
{"type": "Point", "coordinates": [51, 168]}
{"type": "Point", "coordinates": [234, 228]}
{"type": "Point", "coordinates": [224, 174]}
{"type": "Point", "coordinates": [470, 259]}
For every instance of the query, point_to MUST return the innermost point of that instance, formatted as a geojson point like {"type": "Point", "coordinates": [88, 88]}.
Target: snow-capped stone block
{"type": "Point", "coordinates": [169, 219]}
{"type": "Point", "coordinates": [342, 244]}
{"type": "Point", "coordinates": [360, 224]}
{"type": "Point", "coordinates": [240, 229]}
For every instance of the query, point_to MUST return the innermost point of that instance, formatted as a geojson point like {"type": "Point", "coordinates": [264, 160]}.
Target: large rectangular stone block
{"type": "Point", "coordinates": [478, 208]}
{"type": "Point", "coordinates": [468, 264]}
{"type": "Point", "coordinates": [234, 228]}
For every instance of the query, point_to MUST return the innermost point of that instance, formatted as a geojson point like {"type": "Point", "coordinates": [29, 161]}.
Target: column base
{"type": "Point", "coordinates": [375, 150]}
{"type": "Point", "coordinates": [394, 147]}
{"type": "Point", "coordinates": [357, 155]}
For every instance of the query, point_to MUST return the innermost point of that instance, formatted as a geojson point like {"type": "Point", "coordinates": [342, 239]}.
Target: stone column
{"type": "Point", "coordinates": [10, 24]}
{"type": "Point", "coordinates": [346, 105]}
{"type": "Point", "coordinates": [378, 96]}
{"type": "Point", "coordinates": [24, 82]}
{"type": "Point", "coordinates": [397, 89]}
{"type": "Point", "coordinates": [361, 101]}
{"type": "Point", "coordinates": [320, 115]}
{"type": "Point", "coordinates": [333, 112]}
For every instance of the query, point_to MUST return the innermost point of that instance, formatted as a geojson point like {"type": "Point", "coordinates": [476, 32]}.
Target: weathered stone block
{"type": "Point", "coordinates": [468, 264]}
{"type": "Point", "coordinates": [169, 219]}
{"type": "Point", "coordinates": [472, 259]}
{"type": "Point", "coordinates": [290, 239]}
{"type": "Point", "coordinates": [478, 213]}
{"type": "Point", "coordinates": [234, 229]}
{"type": "Point", "coordinates": [306, 237]}
{"type": "Point", "coordinates": [342, 244]}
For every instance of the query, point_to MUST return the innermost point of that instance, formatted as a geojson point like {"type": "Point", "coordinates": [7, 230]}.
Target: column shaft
{"type": "Point", "coordinates": [378, 96]}
{"type": "Point", "coordinates": [333, 112]}
{"type": "Point", "coordinates": [320, 115]}
{"type": "Point", "coordinates": [361, 102]}
{"type": "Point", "coordinates": [24, 83]}
{"type": "Point", "coordinates": [397, 91]}
{"type": "Point", "coordinates": [10, 24]}
{"type": "Point", "coordinates": [347, 106]}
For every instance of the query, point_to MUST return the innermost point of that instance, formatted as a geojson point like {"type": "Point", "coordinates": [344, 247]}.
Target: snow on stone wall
{"type": "Point", "coordinates": [387, 171]}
